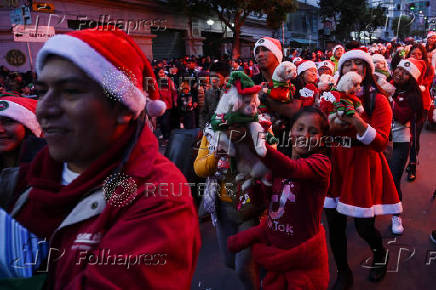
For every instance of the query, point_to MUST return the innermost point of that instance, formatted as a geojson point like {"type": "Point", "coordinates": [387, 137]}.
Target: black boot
{"type": "Point", "coordinates": [379, 265]}
{"type": "Point", "coordinates": [411, 175]}
{"type": "Point", "coordinates": [344, 280]}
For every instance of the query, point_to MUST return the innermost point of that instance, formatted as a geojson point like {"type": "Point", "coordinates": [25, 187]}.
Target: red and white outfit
{"type": "Point", "coordinates": [361, 182]}
{"type": "Point", "coordinates": [290, 242]}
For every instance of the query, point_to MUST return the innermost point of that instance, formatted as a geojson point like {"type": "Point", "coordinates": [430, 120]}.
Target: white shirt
{"type": "Point", "coordinates": [67, 175]}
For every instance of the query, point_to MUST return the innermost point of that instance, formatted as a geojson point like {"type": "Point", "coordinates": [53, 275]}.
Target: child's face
{"type": "Point", "coordinates": [354, 89]}
{"type": "Point", "coordinates": [306, 134]}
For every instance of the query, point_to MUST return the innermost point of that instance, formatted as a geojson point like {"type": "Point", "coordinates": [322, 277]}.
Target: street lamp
{"type": "Point", "coordinates": [210, 22]}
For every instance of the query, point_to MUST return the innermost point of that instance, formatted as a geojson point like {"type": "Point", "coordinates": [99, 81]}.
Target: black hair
{"type": "Point", "coordinates": [324, 126]}
{"type": "Point", "coordinates": [352, 44]}
{"type": "Point", "coordinates": [221, 67]}
{"type": "Point", "coordinates": [421, 47]}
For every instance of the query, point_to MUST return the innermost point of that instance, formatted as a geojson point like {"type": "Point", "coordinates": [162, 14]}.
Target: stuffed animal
{"type": "Point", "coordinates": [239, 105]}
{"type": "Point", "coordinates": [281, 89]}
{"type": "Point", "coordinates": [343, 100]}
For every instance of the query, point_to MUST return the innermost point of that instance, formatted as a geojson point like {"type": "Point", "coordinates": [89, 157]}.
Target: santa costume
{"type": "Point", "coordinates": [361, 182]}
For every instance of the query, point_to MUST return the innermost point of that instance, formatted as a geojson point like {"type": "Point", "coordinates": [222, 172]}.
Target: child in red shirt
{"type": "Point", "coordinates": [290, 241]}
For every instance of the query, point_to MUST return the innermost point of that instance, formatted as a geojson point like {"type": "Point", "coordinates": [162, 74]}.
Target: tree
{"type": "Point", "coordinates": [352, 15]}
{"type": "Point", "coordinates": [234, 13]}
{"type": "Point", "coordinates": [402, 29]}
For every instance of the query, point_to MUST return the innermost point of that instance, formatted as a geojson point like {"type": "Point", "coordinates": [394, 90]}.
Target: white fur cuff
{"type": "Point", "coordinates": [368, 136]}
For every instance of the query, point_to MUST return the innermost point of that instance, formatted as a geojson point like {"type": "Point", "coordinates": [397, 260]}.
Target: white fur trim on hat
{"type": "Point", "coordinates": [22, 115]}
{"type": "Point", "coordinates": [378, 57]}
{"type": "Point", "coordinates": [410, 67]}
{"type": "Point", "coordinates": [95, 66]}
{"type": "Point", "coordinates": [356, 54]}
{"type": "Point", "coordinates": [336, 47]}
{"type": "Point", "coordinates": [326, 63]}
{"type": "Point", "coordinates": [265, 42]}
{"type": "Point", "coordinates": [305, 65]}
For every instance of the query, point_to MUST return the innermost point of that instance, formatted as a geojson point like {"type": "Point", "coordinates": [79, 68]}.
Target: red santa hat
{"type": "Point", "coordinates": [378, 57]}
{"type": "Point", "coordinates": [357, 53]}
{"type": "Point", "coordinates": [21, 110]}
{"type": "Point", "coordinates": [327, 63]}
{"type": "Point", "coordinates": [336, 47]}
{"type": "Point", "coordinates": [112, 59]}
{"type": "Point", "coordinates": [305, 65]}
{"type": "Point", "coordinates": [431, 34]}
{"type": "Point", "coordinates": [297, 60]}
{"type": "Point", "coordinates": [414, 67]}
{"type": "Point", "coordinates": [272, 44]}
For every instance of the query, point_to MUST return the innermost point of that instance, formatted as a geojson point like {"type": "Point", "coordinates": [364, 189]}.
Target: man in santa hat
{"type": "Point", "coordinates": [338, 51]}
{"type": "Point", "coordinates": [268, 55]}
{"type": "Point", "coordinates": [119, 213]}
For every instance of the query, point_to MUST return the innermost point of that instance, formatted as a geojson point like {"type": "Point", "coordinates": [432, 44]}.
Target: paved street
{"type": "Point", "coordinates": [409, 253]}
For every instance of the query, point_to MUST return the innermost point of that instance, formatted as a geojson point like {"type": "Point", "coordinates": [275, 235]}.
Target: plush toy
{"type": "Point", "coordinates": [281, 89]}
{"type": "Point", "coordinates": [343, 100]}
{"type": "Point", "coordinates": [239, 105]}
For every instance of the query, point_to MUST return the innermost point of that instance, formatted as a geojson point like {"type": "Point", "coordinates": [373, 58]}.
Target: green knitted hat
{"type": "Point", "coordinates": [243, 83]}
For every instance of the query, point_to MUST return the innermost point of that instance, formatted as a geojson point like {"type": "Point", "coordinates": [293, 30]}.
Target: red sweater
{"type": "Point", "coordinates": [168, 94]}
{"type": "Point", "coordinates": [301, 185]}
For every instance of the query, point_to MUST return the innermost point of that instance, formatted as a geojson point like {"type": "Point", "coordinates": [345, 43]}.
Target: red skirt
{"type": "Point", "coordinates": [361, 183]}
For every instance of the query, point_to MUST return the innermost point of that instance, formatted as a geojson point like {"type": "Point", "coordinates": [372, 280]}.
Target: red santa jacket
{"type": "Point", "coordinates": [150, 242]}
{"type": "Point", "coordinates": [361, 183]}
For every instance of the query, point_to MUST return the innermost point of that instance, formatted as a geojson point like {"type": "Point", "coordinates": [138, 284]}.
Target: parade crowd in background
{"type": "Point", "coordinates": [263, 154]}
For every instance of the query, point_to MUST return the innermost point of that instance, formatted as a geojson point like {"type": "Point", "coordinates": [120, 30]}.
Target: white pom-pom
{"type": "Point", "coordinates": [360, 109]}
{"type": "Point", "coordinates": [155, 108]}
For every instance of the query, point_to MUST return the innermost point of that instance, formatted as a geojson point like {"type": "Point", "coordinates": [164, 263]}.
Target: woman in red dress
{"type": "Point", "coordinates": [361, 182]}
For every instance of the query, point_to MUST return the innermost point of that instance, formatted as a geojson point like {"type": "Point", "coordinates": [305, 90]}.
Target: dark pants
{"type": "Point", "coordinates": [165, 124]}
{"type": "Point", "coordinates": [189, 120]}
{"type": "Point", "coordinates": [337, 224]}
{"type": "Point", "coordinates": [230, 223]}
{"type": "Point", "coordinates": [415, 136]}
{"type": "Point", "coordinates": [397, 163]}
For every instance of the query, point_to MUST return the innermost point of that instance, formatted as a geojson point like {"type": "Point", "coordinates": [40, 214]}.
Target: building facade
{"type": "Point", "coordinates": [159, 30]}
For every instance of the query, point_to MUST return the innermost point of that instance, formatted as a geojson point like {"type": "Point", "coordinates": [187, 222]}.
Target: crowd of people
{"type": "Point", "coordinates": [82, 170]}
